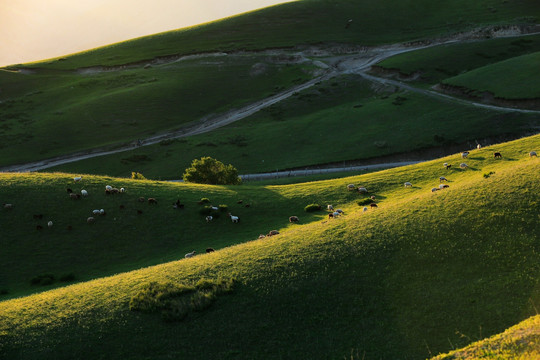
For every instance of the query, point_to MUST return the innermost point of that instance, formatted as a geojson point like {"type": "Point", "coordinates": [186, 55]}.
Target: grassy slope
{"type": "Point", "coordinates": [315, 21]}
{"type": "Point", "coordinates": [440, 62]}
{"type": "Point", "coordinates": [516, 78]}
{"type": "Point", "coordinates": [521, 341]}
{"type": "Point", "coordinates": [59, 112]}
{"type": "Point", "coordinates": [51, 114]}
{"type": "Point", "coordinates": [308, 130]}
{"type": "Point", "coordinates": [394, 282]}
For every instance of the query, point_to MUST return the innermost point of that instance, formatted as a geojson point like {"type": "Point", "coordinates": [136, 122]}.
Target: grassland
{"type": "Point", "coordinates": [308, 129]}
{"type": "Point", "coordinates": [314, 22]}
{"type": "Point", "coordinates": [521, 341]}
{"type": "Point", "coordinates": [424, 273]}
{"type": "Point", "coordinates": [438, 63]}
{"type": "Point", "coordinates": [515, 78]}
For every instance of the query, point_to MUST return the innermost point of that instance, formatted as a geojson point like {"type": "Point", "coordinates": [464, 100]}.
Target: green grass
{"type": "Point", "coordinates": [417, 273]}
{"type": "Point", "coordinates": [314, 22]}
{"type": "Point", "coordinates": [308, 129]}
{"type": "Point", "coordinates": [521, 341]}
{"type": "Point", "coordinates": [516, 78]}
{"type": "Point", "coordinates": [48, 115]}
{"type": "Point", "coordinates": [438, 63]}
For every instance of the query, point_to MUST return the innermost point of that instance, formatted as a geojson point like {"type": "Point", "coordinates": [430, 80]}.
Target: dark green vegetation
{"type": "Point", "coordinates": [426, 272]}
{"type": "Point", "coordinates": [207, 170]}
{"type": "Point", "coordinates": [108, 96]}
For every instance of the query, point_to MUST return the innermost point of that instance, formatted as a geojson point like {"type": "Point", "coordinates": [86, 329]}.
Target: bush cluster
{"type": "Point", "coordinates": [176, 301]}
{"type": "Point", "coordinates": [312, 207]}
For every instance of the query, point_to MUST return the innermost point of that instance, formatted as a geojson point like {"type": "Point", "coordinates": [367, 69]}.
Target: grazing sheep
{"type": "Point", "coordinates": [49, 223]}
{"type": "Point", "coordinates": [372, 197]}
{"type": "Point", "coordinates": [209, 218]}
{"type": "Point", "coordinates": [442, 178]}
{"type": "Point", "coordinates": [532, 153]}
{"type": "Point", "coordinates": [497, 155]}
{"type": "Point", "coordinates": [294, 219]}
{"type": "Point", "coordinates": [69, 191]}
{"type": "Point", "coordinates": [434, 189]}
{"type": "Point", "coordinates": [190, 254]}
{"type": "Point", "coordinates": [464, 154]}
{"type": "Point", "coordinates": [331, 215]}
{"type": "Point", "coordinates": [463, 165]}
{"type": "Point", "coordinates": [37, 216]}
{"type": "Point", "coordinates": [215, 208]}
{"type": "Point", "coordinates": [365, 209]}
{"type": "Point", "coordinates": [444, 186]}
{"type": "Point", "coordinates": [101, 212]}
{"type": "Point", "coordinates": [408, 184]}
{"type": "Point", "coordinates": [336, 214]}
{"type": "Point", "coordinates": [209, 250]}
{"type": "Point", "coordinates": [447, 166]}
{"type": "Point", "coordinates": [341, 212]}
{"type": "Point", "coordinates": [95, 212]}
{"type": "Point", "coordinates": [90, 220]}
{"type": "Point", "coordinates": [350, 187]}
{"type": "Point", "coordinates": [272, 233]}
{"type": "Point", "coordinates": [7, 206]}
{"type": "Point", "coordinates": [362, 190]}
{"type": "Point", "coordinates": [122, 190]}
{"type": "Point", "coordinates": [84, 192]}
{"type": "Point", "coordinates": [152, 201]}
{"type": "Point", "coordinates": [329, 207]}
{"type": "Point", "coordinates": [108, 187]}
{"type": "Point", "coordinates": [77, 178]}
{"type": "Point", "coordinates": [373, 205]}
{"type": "Point", "coordinates": [262, 236]}
{"type": "Point", "coordinates": [234, 219]}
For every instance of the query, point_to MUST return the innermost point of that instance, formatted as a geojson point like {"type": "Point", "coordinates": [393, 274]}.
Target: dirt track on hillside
{"type": "Point", "coordinates": [332, 60]}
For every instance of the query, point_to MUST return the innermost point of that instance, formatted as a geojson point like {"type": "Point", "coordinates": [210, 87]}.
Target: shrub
{"type": "Point", "coordinates": [137, 176]}
{"type": "Point", "coordinates": [364, 202]}
{"type": "Point", "coordinates": [223, 208]}
{"type": "Point", "coordinates": [204, 201]}
{"type": "Point", "coordinates": [312, 208]}
{"type": "Point", "coordinates": [44, 279]}
{"type": "Point", "coordinates": [156, 296]}
{"type": "Point", "coordinates": [67, 277]}
{"type": "Point", "coordinates": [207, 170]}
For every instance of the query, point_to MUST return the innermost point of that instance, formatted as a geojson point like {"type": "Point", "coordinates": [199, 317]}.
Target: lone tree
{"type": "Point", "coordinates": [207, 170]}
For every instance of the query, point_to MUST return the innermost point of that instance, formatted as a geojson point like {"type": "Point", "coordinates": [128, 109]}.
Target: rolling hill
{"type": "Point", "coordinates": [422, 274]}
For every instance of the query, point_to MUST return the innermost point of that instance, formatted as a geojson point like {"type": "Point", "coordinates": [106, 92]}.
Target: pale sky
{"type": "Point", "coordinates": [32, 30]}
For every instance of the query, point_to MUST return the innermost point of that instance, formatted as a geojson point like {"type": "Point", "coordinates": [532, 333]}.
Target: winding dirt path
{"type": "Point", "coordinates": [331, 65]}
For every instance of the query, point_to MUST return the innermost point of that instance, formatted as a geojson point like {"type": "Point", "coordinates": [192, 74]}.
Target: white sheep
{"type": "Point", "coordinates": [533, 153]}
{"type": "Point", "coordinates": [340, 211]}
{"type": "Point", "coordinates": [50, 224]}
{"type": "Point", "coordinates": [214, 208]}
{"type": "Point", "coordinates": [209, 218]}
{"type": "Point", "coordinates": [442, 178]}
{"type": "Point", "coordinates": [329, 207]}
{"type": "Point", "coordinates": [464, 154]}
{"type": "Point", "coordinates": [478, 146]}
{"type": "Point", "coordinates": [122, 190]}
{"type": "Point", "coordinates": [408, 184]}
{"type": "Point", "coordinates": [362, 189]}
{"type": "Point", "coordinates": [95, 212]}
{"type": "Point", "coordinates": [463, 165]}
{"type": "Point", "coordinates": [77, 178]}
{"type": "Point", "coordinates": [190, 254]}
{"type": "Point", "coordinates": [108, 188]}
{"type": "Point", "coordinates": [350, 187]}
{"type": "Point", "coordinates": [234, 219]}
{"type": "Point", "coordinates": [365, 209]}
{"type": "Point", "coordinates": [434, 189]}
{"type": "Point", "coordinates": [84, 192]}
{"type": "Point", "coordinates": [336, 214]}
{"type": "Point", "coordinates": [8, 206]}
{"type": "Point", "coordinates": [101, 212]}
